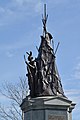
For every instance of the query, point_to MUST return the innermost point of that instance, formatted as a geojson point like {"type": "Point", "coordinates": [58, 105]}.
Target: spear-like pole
{"type": "Point", "coordinates": [44, 20]}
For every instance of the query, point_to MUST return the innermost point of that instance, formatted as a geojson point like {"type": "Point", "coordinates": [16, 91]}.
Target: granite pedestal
{"type": "Point", "coordinates": [47, 108]}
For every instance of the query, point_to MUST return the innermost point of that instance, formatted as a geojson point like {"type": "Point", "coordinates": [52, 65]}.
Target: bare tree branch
{"type": "Point", "coordinates": [15, 93]}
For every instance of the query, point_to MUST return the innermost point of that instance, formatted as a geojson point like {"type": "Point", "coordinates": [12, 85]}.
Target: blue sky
{"type": "Point", "coordinates": [20, 30]}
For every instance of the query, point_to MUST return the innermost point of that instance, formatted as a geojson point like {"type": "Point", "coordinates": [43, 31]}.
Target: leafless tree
{"type": "Point", "coordinates": [15, 94]}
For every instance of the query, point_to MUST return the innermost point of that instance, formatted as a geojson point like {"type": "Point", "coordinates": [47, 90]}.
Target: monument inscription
{"type": "Point", "coordinates": [53, 117]}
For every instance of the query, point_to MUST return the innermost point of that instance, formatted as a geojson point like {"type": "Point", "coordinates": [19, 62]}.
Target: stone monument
{"type": "Point", "coordinates": [47, 100]}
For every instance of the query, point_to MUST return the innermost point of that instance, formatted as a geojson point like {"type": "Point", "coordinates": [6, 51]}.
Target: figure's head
{"type": "Point", "coordinates": [48, 37]}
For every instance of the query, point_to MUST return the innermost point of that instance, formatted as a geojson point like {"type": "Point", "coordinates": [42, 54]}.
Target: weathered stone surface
{"type": "Point", "coordinates": [54, 117]}
{"type": "Point", "coordinates": [47, 108]}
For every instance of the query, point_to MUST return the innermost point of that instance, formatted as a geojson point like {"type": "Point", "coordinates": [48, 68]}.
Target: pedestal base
{"type": "Point", "coordinates": [47, 108]}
